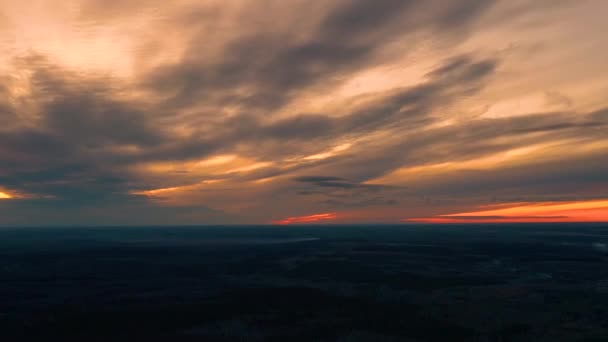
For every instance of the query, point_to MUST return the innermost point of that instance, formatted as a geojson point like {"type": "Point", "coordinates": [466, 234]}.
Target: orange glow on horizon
{"type": "Point", "coordinates": [4, 195]}
{"type": "Point", "coordinates": [307, 219]}
{"type": "Point", "coordinates": [583, 211]}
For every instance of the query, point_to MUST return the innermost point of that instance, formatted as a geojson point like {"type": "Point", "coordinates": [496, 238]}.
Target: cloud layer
{"type": "Point", "coordinates": [149, 112]}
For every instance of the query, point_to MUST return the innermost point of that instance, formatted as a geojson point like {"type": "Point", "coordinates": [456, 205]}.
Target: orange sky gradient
{"type": "Point", "coordinates": [584, 211]}
{"type": "Point", "coordinates": [300, 112]}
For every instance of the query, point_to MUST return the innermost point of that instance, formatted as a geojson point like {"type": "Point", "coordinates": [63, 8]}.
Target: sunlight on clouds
{"type": "Point", "coordinates": [307, 219]}
{"type": "Point", "coordinates": [541, 208]}
{"type": "Point", "coordinates": [218, 165]}
{"type": "Point", "coordinates": [216, 104]}
{"type": "Point", "coordinates": [524, 105]}
{"type": "Point", "coordinates": [334, 151]}
{"type": "Point", "coordinates": [217, 160]}
{"type": "Point", "coordinates": [517, 156]}
{"type": "Point", "coordinates": [398, 74]}
{"type": "Point", "coordinates": [251, 167]}
{"type": "Point", "coordinates": [53, 29]}
{"type": "Point", "coordinates": [583, 211]}
{"type": "Point", "coordinates": [175, 189]}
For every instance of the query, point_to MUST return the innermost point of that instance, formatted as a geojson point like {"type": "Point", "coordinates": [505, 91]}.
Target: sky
{"type": "Point", "coordinates": [179, 112]}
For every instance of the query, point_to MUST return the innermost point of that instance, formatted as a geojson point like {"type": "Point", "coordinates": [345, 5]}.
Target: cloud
{"type": "Point", "coordinates": [320, 107]}
{"type": "Point", "coordinates": [307, 219]}
{"type": "Point", "coordinates": [264, 70]}
{"type": "Point", "coordinates": [69, 146]}
{"type": "Point", "coordinates": [582, 211]}
{"type": "Point", "coordinates": [334, 182]}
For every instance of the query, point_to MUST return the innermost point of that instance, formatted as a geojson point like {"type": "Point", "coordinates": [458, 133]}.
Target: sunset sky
{"type": "Point", "coordinates": [333, 111]}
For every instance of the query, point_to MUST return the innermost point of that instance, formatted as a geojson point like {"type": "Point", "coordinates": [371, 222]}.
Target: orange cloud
{"type": "Point", "coordinates": [307, 219]}
{"type": "Point", "coordinates": [4, 195]}
{"type": "Point", "coordinates": [582, 211]}
{"type": "Point", "coordinates": [175, 189]}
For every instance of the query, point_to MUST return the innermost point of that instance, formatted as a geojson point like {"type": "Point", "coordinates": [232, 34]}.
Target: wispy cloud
{"type": "Point", "coordinates": [581, 211]}
{"type": "Point", "coordinates": [307, 219]}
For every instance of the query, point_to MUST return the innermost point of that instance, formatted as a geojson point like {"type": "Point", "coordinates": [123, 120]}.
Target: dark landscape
{"type": "Point", "coordinates": [526, 282]}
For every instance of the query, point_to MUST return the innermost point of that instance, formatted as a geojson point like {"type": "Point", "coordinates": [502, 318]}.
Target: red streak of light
{"type": "Point", "coordinates": [490, 219]}
{"type": "Point", "coordinates": [596, 211]}
{"type": "Point", "coordinates": [307, 219]}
